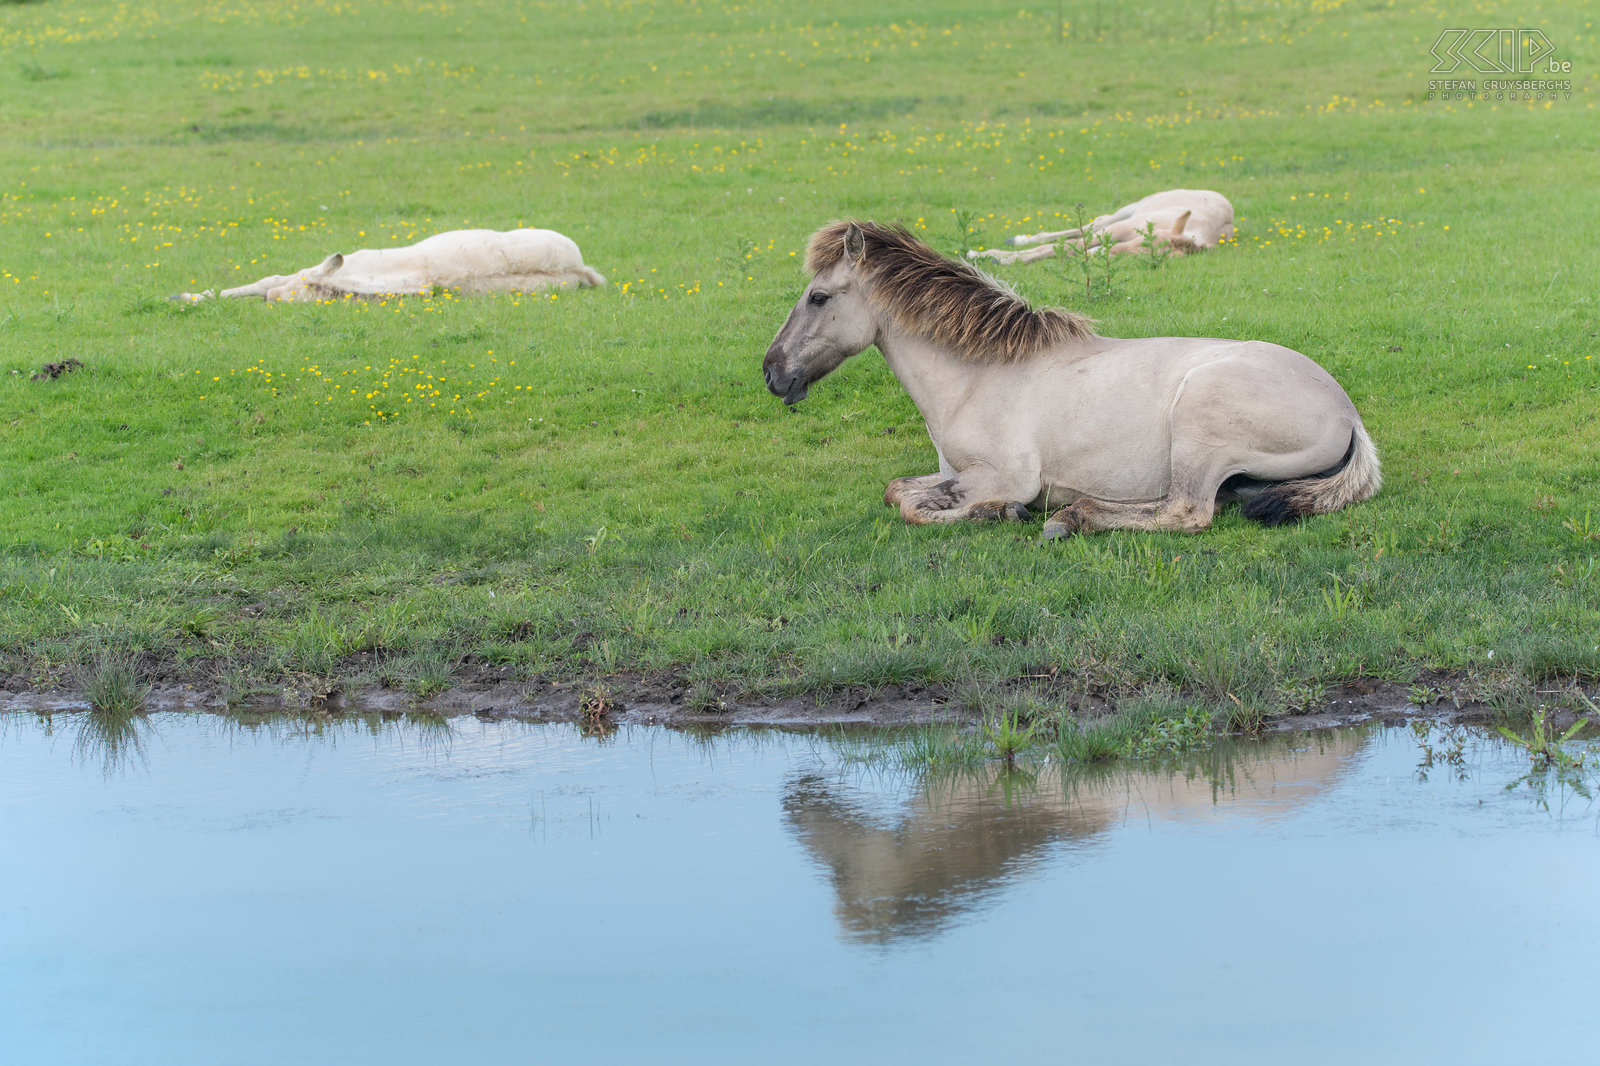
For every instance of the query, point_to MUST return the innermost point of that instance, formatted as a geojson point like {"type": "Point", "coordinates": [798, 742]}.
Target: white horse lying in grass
{"type": "Point", "coordinates": [1032, 409]}
{"type": "Point", "coordinates": [1178, 220]}
{"type": "Point", "coordinates": [466, 260]}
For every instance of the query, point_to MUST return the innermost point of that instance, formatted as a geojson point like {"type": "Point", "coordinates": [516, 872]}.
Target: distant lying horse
{"type": "Point", "coordinates": [1178, 220]}
{"type": "Point", "coordinates": [467, 260]}
{"type": "Point", "coordinates": [1032, 409]}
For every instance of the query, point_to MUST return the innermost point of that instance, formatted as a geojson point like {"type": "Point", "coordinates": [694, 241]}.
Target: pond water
{"type": "Point", "coordinates": [509, 893]}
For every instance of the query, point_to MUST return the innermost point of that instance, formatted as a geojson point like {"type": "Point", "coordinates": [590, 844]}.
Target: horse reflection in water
{"type": "Point", "coordinates": [967, 837]}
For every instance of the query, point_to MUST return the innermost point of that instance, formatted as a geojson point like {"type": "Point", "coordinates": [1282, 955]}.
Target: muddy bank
{"type": "Point", "coordinates": [665, 698]}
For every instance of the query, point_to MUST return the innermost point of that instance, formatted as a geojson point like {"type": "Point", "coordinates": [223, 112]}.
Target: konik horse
{"type": "Point", "coordinates": [1178, 221]}
{"type": "Point", "coordinates": [1032, 409]}
{"type": "Point", "coordinates": [466, 260]}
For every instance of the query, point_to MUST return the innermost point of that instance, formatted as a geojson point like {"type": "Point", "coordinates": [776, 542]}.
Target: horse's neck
{"type": "Point", "coordinates": [936, 379]}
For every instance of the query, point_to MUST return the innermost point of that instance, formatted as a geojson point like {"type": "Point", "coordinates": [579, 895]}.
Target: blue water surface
{"type": "Point", "coordinates": [512, 893]}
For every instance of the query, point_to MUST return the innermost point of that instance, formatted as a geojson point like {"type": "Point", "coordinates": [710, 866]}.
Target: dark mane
{"type": "Point", "coordinates": [946, 300]}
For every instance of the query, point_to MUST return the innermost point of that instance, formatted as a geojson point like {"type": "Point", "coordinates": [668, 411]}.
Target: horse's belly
{"type": "Point", "coordinates": [1120, 458]}
{"type": "Point", "coordinates": [1141, 483]}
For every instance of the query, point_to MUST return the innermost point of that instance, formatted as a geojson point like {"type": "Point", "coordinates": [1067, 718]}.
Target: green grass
{"type": "Point", "coordinates": [599, 482]}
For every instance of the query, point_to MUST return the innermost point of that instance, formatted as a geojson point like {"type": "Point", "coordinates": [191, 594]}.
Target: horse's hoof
{"type": "Point", "coordinates": [999, 510]}
{"type": "Point", "coordinates": [1064, 523]}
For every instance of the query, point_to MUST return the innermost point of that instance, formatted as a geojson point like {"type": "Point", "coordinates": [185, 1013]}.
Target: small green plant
{"type": "Point", "coordinates": [112, 684]}
{"type": "Point", "coordinates": [965, 232]}
{"type": "Point", "coordinates": [1216, 671]}
{"type": "Point", "coordinates": [1246, 716]}
{"type": "Point", "coordinates": [1010, 735]}
{"type": "Point", "coordinates": [1584, 530]}
{"type": "Point", "coordinates": [1108, 262]}
{"type": "Point", "coordinates": [703, 698]}
{"type": "Point", "coordinates": [1423, 695]}
{"type": "Point", "coordinates": [1579, 576]}
{"type": "Point", "coordinates": [1174, 736]}
{"type": "Point", "coordinates": [1343, 600]}
{"type": "Point", "coordinates": [599, 538]}
{"type": "Point", "coordinates": [1156, 250]}
{"type": "Point", "coordinates": [1076, 743]}
{"type": "Point", "coordinates": [433, 676]}
{"type": "Point", "coordinates": [1544, 746]}
{"type": "Point", "coordinates": [1302, 697]}
{"type": "Point", "coordinates": [978, 629]}
{"type": "Point", "coordinates": [1081, 219]}
{"type": "Point", "coordinates": [143, 303]}
{"type": "Point", "coordinates": [1092, 253]}
{"type": "Point", "coordinates": [1551, 761]}
{"type": "Point", "coordinates": [1160, 572]}
{"type": "Point", "coordinates": [1442, 539]}
{"type": "Point", "coordinates": [430, 671]}
{"type": "Point", "coordinates": [937, 747]}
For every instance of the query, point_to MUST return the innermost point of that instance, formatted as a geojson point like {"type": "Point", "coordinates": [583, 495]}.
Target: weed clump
{"type": "Point", "coordinates": [112, 684]}
{"type": "Point", "coordinates": [595, 710]}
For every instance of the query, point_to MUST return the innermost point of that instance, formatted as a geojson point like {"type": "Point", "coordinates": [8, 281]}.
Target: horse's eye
{"type": "Point", "coordinates": [818, 299]}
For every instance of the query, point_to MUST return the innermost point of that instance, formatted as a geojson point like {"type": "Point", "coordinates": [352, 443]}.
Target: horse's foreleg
{"type": "Point", "coordinates": [967, 496]}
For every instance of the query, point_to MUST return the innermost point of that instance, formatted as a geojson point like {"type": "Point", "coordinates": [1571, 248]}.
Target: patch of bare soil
{"type": "Point", "coordinates": [668, 698]}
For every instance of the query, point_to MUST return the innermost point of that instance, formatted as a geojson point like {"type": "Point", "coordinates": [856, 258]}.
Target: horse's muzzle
{"type": "Point", "coordinates": [792, 388]}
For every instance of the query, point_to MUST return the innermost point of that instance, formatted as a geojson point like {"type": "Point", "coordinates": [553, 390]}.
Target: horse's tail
{"type": "Point", "coordinates": [1356, 478]}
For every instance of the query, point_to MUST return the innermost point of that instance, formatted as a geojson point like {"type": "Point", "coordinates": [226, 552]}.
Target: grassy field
{"type": "Point", "coordinates": [594, 483]}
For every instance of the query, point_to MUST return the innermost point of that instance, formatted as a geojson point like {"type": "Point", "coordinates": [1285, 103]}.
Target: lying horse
{"type": "Point", "coordinates": [467, 260]}
{"type": "Point", "coordinates": [1033, 409]}
{"type": "Point", "coordinates": [1178, 220]}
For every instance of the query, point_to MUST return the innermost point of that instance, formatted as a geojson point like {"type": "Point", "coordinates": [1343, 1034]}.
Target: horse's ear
{"type": "Point", "coordinates": [330, 264]}
{"type": "Point", "coordinates": [1183, 220]}
{"type": "Point", "coordinates": [855, 244]}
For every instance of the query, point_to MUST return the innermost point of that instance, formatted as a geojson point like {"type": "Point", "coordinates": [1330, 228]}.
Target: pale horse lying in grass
{"type": "Point", "coordinates": [466, 260]}
{"type": "Point", "coordinates": [1033, 409]}
{"type": "Point", "coordinates": [1178, 221]}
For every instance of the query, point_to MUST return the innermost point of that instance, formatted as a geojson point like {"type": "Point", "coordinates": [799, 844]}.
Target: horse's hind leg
{"type": "Point", "coordinates": [1089, 515]}
{"type": "Point", "coordinates": [1189, 506]}
{"type": "Point", "coordinates": [1027, 240]}
{"type": "Point", "coordinates": [1044, 251]}
{"type": "Point", "coordinates": [967, 496]}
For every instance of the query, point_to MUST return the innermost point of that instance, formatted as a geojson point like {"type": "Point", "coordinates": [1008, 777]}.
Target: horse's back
{"type": "Point", "coordinates": [473, 259]}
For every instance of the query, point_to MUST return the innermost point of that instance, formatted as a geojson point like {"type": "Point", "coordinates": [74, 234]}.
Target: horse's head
{"type": "Point", "coordinates": [832, 321]}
